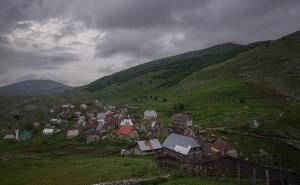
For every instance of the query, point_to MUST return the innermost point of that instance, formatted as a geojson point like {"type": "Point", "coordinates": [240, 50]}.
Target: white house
{"type": "Point", "coordinates": [101, 115]}
{"type": "Point", "coordinates": [9, 137]}
{"type": "Point", "coordinates": [48, 131]}
{"type": "Point", "coordinates": [65, 106]}
{"type": "Point", "coordinates": [55, 121]}
{"type": "Point", "coordinates": [182, 119]}
{"type": "Point", "coordinates": [253, 124]}
{"type": "Point", "coordinates": [72, 133]}
{"type": "Point", "coordinates": [83, 106]}
{"type": "Point", "coordinates": [150, 114]}
{"type": "Point", "coordinates": [126, 121]}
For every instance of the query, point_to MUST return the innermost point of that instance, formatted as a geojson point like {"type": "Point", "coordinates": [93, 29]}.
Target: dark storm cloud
{"type": "Point", "coordinates": [11, 59]}
{"type": "Point", "coordinates": [139, 33]}
{"type": "Point", "coordinates": [142, 30]}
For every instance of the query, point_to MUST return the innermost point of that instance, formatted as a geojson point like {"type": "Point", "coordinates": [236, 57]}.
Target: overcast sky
{"type": "Point", "coordinates": [78, 41]}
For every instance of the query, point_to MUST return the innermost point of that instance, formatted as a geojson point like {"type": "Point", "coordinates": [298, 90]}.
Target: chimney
{"type": "Point", "coordinates": [17, 134]}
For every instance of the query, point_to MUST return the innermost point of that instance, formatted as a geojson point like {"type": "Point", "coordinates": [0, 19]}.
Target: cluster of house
{"type": "Point", "coordinates": [182, 143]}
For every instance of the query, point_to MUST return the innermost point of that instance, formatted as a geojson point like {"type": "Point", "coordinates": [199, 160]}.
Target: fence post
{"type": "Point", "coordinates": [267, 177]}
{"type": "Point", "coordinates": [281, 175]}
{"type": "Point", "coordinates": [254, 175]}
{"type": "Point", "coordinates": [239, 174]}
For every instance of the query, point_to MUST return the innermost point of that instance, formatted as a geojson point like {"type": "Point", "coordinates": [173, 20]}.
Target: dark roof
{"type": "Point", "coordinates": [184, 141]}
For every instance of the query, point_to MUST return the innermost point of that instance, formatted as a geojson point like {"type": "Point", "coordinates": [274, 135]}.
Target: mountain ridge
{"type": "Point", "coordinates": [34, 87]}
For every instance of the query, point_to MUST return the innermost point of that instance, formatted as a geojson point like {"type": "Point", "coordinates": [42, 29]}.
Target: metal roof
{"type": "Point", "coordinates": [100, 125]}
{"type": "Point", "coordinates": [179, 140]}
{"type": "Point", "coordinates": [152, 144]}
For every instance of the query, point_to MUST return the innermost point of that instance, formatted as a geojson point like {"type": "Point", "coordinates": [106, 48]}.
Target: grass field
{"type": "Point", "coordinates": [71, 164]}
{"type": "Point", "coordinates": [76, 170]}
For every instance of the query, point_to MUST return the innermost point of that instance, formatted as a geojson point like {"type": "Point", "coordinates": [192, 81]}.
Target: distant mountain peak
{"type": "Point", "coordinates": [34, 87]}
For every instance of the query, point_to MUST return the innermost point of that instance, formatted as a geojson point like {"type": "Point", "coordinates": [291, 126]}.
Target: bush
{"type": "Point", "coordinates": [175, 107]}
{"type": "Point", "coordinates": [181, 107]}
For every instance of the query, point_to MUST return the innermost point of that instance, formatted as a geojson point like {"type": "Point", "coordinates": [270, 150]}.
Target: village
{"type": "Point", "coordinates": [143, 134]}
{"type": "Point", "coordinates": [182, 145]}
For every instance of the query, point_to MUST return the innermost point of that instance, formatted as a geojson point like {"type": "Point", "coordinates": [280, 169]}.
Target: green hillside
{"type": "Point", "coordinates": [223, 85]}
{"type": "Point", "coordinates": [170, 67]}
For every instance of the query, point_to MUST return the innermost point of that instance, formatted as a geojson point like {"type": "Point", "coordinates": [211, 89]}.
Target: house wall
{"type": "Point", "coordinates": [193, 154]}
{"type": "Point", "coordinates": [149, 152]}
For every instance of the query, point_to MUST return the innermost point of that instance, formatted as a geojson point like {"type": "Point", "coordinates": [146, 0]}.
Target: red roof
{"type": "Point", "coordinates": [222, 145]}
{"type": "Point", "coordinates": [93, 123]}
{"type": "Point", "coordinates": [110, 119]}
{"type": "Point", "coordinates": [125, 129]}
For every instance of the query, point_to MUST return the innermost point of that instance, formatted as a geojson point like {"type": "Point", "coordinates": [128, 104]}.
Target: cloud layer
{"type": "Point", "coordinates": [76, 42]}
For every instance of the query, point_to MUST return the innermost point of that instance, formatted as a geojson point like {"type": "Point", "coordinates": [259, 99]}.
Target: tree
{"type": "Point", "coordinates": [181, 107]}
{"type": "Point", "coordinates": [242, 100]}
{"type": "Point", "coordinates": [175, 107]}
{"type": "Point", "coordinates": [267, 45]}
{"type": "Point", "coordinates": [28, 125]}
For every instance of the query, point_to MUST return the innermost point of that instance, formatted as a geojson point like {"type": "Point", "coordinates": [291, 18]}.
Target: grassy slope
{"type": "Point", "coordinates": [171, 66]}
{"type": "Point", "coordinates": [75, 170]}
{"type": "Point", "coordinates": [69, 162]}
{"type": "Point", "coordinates": [214, 93]}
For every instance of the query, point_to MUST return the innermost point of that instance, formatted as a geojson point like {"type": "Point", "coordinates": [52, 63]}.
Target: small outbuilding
{"type": "Point", "coordinates": [223, 148]}
{"type": "Point", "coordinates": [253, 124]}
{"type": "Point", "coordinates": [182, 119]}
{"type": "Point", "coordinates": [25, 135]}
{"type": "Point", "coordinates": [92, 138]}
{"type": "Point", "coordinates": [150, 114]}
{"type": "Point", "coordinates": [9, 137]}
{"type": "Point", "coordinates": [72, 133]}
{"type": "Point", "coordinates": [48, 131]}
{"type": "Point", "coordinates": [83, 106]}
{"type": "Point", "coordinates": [148, 147]}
